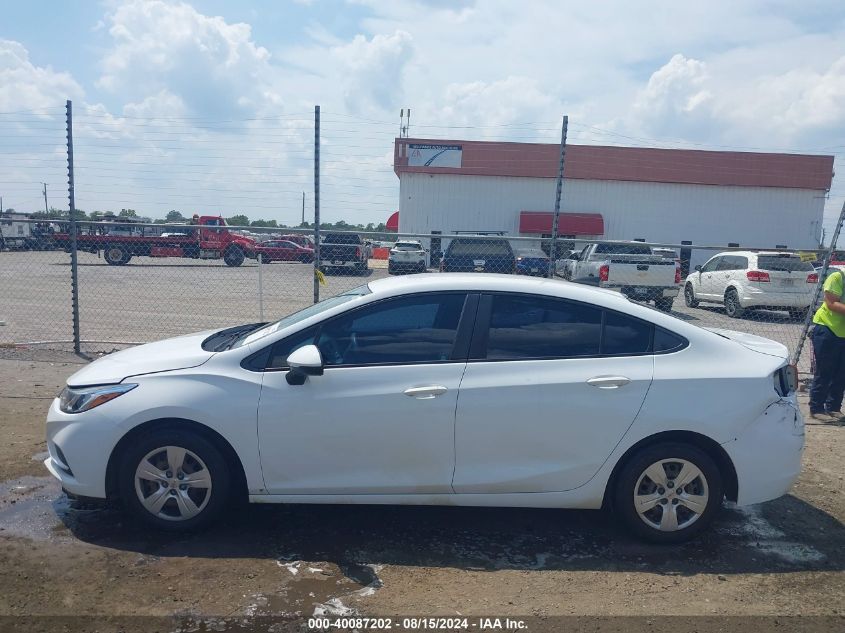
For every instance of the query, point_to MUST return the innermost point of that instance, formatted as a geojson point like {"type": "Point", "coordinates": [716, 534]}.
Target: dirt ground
{"type": "Point", "coordinates": [783, 558]}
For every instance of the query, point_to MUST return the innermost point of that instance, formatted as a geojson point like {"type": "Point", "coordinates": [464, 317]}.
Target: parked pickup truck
{"type": "Point", "coordinates": [343, 251]}
{"type": "Point", "coordinates": [631, 268]}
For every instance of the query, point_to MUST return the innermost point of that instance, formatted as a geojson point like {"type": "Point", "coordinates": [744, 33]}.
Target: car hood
{"type": "Point", "coordinates": [174, 353]}
{"type": "Point", "coordinates": [753, 342]}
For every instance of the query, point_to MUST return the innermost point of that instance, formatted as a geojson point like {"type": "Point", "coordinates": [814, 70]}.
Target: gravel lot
{"type": "Point", "coordinates": [781, 558]}
{"type": "Point", "coordinates": [150, 299]}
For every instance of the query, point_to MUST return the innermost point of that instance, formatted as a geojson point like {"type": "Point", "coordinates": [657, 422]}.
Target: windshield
{"type": "Point", "coordinates": [783, 263]}
{"type": "Point", "coordinates": [479, 247]}
{"type": "Point", "coordinates": [310, 311]}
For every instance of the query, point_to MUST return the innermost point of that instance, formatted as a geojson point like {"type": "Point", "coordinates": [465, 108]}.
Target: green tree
{"type": "Point", "coordinates": [238, 220]}
{"type": "Point", "coordinates": [174, 216]}
{"type": "Point", "coordinates": [127, 213]}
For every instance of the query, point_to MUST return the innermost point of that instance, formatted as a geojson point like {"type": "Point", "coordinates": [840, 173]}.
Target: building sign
{"type": "Point", "coordinates": [420, 155]}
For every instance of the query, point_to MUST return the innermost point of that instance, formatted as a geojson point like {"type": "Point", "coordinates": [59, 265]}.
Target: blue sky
{"type": "Point", "coordinates": [207, 105]}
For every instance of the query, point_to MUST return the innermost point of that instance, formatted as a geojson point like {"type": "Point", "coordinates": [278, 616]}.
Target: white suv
{"type": "Point", "coordinates": [744, 279]}
{"type": "Point", "coordinates": [406, 256]}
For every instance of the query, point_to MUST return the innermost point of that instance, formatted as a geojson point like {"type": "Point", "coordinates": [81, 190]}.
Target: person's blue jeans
{"type": "Point", "coordinates": [829, 377]}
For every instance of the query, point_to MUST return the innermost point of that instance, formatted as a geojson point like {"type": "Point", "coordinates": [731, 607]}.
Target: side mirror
{"type": "Point", "coordinates": [698, 268]}
{"type": "Point", "coordinates": [303, 362]}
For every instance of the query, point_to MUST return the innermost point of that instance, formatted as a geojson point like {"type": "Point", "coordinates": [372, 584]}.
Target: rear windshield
{"type": "Point", "coordinates": [342, 238]}
{"type": "Point", "coordinates": [624, 249]}
{"type": "Point", "coordinates": [407, 246]}
{"type": "Point", "coordinates": [479, 247]}
{"type": "Point", "coordinates": [783, 263]}
{"type": "Point", "coordinates": [532, 252]}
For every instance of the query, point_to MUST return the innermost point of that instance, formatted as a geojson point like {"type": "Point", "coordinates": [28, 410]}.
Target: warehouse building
{"type": "Point", "coordinates": [758, 200]}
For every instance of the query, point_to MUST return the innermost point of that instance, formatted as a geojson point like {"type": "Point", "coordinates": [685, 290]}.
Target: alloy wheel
{"type": "Point", "coordinates": [671, 494]}
{"type": "Point", "coordinates": [173, 483]}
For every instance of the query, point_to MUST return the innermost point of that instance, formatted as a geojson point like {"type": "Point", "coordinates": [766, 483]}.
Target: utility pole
{"type": "Point", "coordinates": [558, 193]}
{"type": "Point", "coordinates": [316, 203]}
{"type": "Point", "coordinates": [46, 209]}
{"type": "Point", "coordinates": [303, 207]}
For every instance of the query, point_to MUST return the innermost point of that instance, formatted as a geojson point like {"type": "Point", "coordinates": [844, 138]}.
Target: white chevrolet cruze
{"type": "Point", "coordinates": [452, 389]}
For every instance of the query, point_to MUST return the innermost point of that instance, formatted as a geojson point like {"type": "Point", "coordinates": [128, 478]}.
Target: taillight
{"type": "Point", "coordinates": [813, 278]}
{"type": "Point", "coordinates": [604, 272]}
{"type": "Point", "coordinates": [677, 273]}
{"type": "Point", "coordinates": [358, 252]}
{"type": "Point", "coordinates": [757, 275]}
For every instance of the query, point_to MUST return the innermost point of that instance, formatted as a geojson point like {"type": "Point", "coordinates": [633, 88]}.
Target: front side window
{"type": "Point", "coordinates": [536, 327]}
{"type": "Point", "coordinates": [710, 266]}
{"type": "Point", "coordinates": [404, 330]}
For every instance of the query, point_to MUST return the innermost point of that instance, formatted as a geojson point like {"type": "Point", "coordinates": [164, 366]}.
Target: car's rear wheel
{"type": "Point", "coordinates": [668, 493]}
{"type": "Point", "coordinates": [733, 308]}
{"type": "Point", "coordinates": [174, 480]}
{"type": "Point", "coordinates": [689, 296]}
{"type": "Point", "coordinates": [233, 256]}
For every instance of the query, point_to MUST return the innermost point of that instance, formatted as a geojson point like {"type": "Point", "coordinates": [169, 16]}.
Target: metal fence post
{"type": "Point", "coordinates": [260, 288]}
{"type": "Point", "coordinates": [558, 192]}
{"type": "Point", "coordinates": [74, 269]}
{"type": "Point", "coordinates": [316, 204]}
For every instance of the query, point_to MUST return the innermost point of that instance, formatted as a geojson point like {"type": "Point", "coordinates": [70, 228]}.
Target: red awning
{"type": "Point", "coordinates": [540, 222]}
{"type": "Point", "coordinates": [393, 222]}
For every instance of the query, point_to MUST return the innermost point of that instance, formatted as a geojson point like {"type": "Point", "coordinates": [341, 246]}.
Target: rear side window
{"type": "Point", "coordinates": [529, 327]}
{"type": "Point", "coordinates": [624, 335]}
{"type": "Point", "coordinates": [781, 263]}
{"type": "Point", "coordinates": [623, 249]}
{"type": "Point", "coordinates": [665, 341]}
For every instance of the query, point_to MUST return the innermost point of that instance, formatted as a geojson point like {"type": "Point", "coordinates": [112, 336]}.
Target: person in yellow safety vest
{"type": "Point", "coordinates": [829, 349]}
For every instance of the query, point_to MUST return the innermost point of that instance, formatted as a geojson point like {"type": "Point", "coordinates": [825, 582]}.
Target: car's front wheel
{"type": "Point", "coordinates": [668, 493]}
{"type": "Point", "coordinates": [174, 480]}
{"type": "Point", "coordinates": [689, 296]}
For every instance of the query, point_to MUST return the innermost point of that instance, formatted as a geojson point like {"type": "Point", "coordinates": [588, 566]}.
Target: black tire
{"type": "Point", "coordinates": [218, 470]}
{"type": "Point", "coordinates": [116, 254]}
{"type": "Point", "coordinates": [422, 268]}
{"type": "Point", "coordinates": [390, 269]}
{"type": "Point", "coordinates": [633, 480]}
{"type": "Point", "coordinates": [362, 268]}
{"type": "Point", "coordinates": [799, 314]}
{"type": "Point", "coordinates": [689, 296]}
{"type": "Point", "coordinates": [664, 304]}
{"type": "Point", "coordinates": [233, 256]}
{"type": "Point", "coordinates": [732, 306]}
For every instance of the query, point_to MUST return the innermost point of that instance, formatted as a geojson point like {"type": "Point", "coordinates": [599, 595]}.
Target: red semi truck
{"type": "Point", "coordinates": [209, 239]}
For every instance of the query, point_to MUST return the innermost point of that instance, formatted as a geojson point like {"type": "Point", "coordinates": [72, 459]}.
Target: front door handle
{"type": "Point", "coordinates": [425, 393]}
{"type": "Point", "coordinates": [608, 382]}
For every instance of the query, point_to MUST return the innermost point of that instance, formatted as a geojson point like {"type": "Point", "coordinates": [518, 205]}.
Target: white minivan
{"type": "Point", "coordinates": [744, 279]}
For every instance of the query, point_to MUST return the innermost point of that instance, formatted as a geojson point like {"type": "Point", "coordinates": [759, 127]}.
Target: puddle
{"type": "Point", "coordinates": [769, 540]}
{"type": "Point", "coordinates": [37, 509]}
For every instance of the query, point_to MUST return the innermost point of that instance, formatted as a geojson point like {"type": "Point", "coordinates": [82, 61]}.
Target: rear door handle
{"type": "Point", "coordinates": [425, 393]}
{"type": "Point", "coordinates": [608, 382]}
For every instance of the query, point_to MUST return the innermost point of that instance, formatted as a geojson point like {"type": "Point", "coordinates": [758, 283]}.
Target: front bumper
{"type": "Point", "coordinates": [767, 454]}
{"type": "Point", "coordinates": [79, 445]}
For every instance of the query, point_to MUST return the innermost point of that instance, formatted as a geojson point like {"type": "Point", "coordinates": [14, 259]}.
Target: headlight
{"type": "Point", "coordinates": [73, 400]}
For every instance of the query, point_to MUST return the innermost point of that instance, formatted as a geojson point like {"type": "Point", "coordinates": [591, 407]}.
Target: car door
{"type": "Point", "coordinates": [550, 388]}
{"type": "Point", "coordinates": [380, 420]}
{"type": "Point", "coordinates": [706, 282]}
{"type": "Point", "coordinates": [731, 272]}
{"type": "Point", "coordinates": [580, 267]}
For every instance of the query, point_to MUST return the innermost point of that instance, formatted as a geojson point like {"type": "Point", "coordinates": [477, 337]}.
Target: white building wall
{"type": "Point", "coordinates": [757, 217]}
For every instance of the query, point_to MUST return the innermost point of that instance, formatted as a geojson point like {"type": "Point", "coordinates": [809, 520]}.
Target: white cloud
{"type": "Point", "coordinates": [374, 69]}
{"type": "Point", "coordinates": [213, 66]}
{"type": "Point", "coordinates": [24, 85]}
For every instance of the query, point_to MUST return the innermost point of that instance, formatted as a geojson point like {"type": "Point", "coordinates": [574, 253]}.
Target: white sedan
{"type": "Point", "coordinates": [452, 389]}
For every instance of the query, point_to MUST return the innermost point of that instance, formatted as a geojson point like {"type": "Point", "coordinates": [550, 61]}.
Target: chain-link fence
{"type": "Point", "coordinates": [140, 282]}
